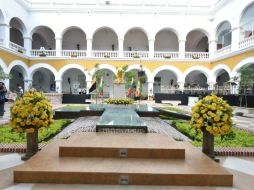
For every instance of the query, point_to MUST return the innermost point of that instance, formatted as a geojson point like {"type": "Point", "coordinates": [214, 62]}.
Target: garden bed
{"type": "Point", "coordinates": [45, 134]}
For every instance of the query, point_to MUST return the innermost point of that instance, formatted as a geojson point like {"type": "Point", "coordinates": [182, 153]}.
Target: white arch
{"type": "Point", "coordinates": [244, 62]}
{"type": "Point", "coordinates": [105, 27]}
{"type": "Point", "coordinates": [205, 31]}
{"type": "Point", "coordinates": [24, 28]}
{"type": "Point", "coordinates": [201, 69]}
{"type": "Point", "coordinates": [218, 68]}
{"type": "Point", "coordinates": [137, 67]}
{"type": "Point", "coordinates": [71, 66]}
{"type": "Point", "coordinates": [71, 27]}
{"type": "Point", "coordinates": [137, 28]}
{"type": "Point", "coordinates": [21, 64]}
{"type": "Point", "coordinates": [3, 66]}
{"type": "Point", "coordinates": [173, 69]}
{"type": "Point", "coordinates": [103, 66]}
{"type": "Point", "coordinates": [168, 29]}
{"type": "Point", "coordinates": [37, 66]}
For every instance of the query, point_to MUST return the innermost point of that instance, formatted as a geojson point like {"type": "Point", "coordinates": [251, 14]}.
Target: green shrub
{"type": "Point", "coordinates": [118, 101]}
{"type": "Point", "coordinates": [236, 138]}
{"type": "Point", "coordinates": [45, 133]}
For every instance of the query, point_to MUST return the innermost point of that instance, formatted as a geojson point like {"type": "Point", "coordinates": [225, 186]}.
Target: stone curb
{"type": "Point", "coordinates": [16, 148]}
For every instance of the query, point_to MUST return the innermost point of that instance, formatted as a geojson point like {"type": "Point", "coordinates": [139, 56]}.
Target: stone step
{"type": "Point", "coordinates": [122, 146]}
{"type": "Point", "coordinates": [195, 170]}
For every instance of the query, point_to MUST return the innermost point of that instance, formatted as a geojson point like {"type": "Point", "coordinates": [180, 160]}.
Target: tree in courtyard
{"type": "Point", "coordinates": [246, 76]}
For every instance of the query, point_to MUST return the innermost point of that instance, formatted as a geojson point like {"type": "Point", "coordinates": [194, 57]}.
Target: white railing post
{"type": "Point", "coordinates": [151, 48]}
{"type": "Point", "coordinates": [58, 86]}
{"type": "Point", "coordinates": [58, 46]}
{"type": "Point", "coordinates": [120, 47]}
{"type": "Point", "coordinates": [28, 45]}
{"type": "Point", "coordinates": [89, 47]}
{"type": "Point", "coordinates": [182, 49]}
{"type": "Point", "coordinates": [5, 34]}
{"type": "Point", "coordinates": [235, 39]}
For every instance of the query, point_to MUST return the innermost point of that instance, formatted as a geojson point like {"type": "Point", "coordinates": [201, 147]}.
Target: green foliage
{"type": "Point", "coordinates": [174, 109]}
{"type": "Point", "coordinates": [237, 138]}
{"type": "Point", "coordinates": [3, 75]}
{"type": "Point", "coordinates": [119, 101]}
{"type": "Point", "coordinates": [45, 133]}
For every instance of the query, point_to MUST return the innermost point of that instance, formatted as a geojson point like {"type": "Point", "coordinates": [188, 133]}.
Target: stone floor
{"type": "Point", "coordinates": [241, 168]}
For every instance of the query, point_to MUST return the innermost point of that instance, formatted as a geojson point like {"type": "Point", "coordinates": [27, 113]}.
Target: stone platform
{"type": "Point", "coordinates": [195, 170]}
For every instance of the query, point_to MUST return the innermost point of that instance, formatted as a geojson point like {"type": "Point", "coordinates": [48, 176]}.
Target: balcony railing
{"type": "Point", "coordinates": [166, 55]}
{"type": "Point", "coordinates": [197, 55]}
{"type": "Point", "coordinates": [247, 42]}
{"type": "Point", "coordinates": [43, 53]}
{"type": "Point", "coordinates": [105, 54]}
{"type": "Point", "coordinates": [17, 47]}
{"type": "Point", "coordinates": [73, 53]}
{"type": "Point", "coordinates": [136, 54]}
{"type": "Point", "coordinates": [223, 51]}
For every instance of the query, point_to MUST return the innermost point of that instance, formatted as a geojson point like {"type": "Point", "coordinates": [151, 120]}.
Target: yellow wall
{"type": "Point", "coordinates": [151, 65]}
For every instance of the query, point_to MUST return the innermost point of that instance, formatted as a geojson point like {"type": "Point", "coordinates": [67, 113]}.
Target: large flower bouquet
{"type": "Point", "coordinates": [213, 114]}
{"type": "Point", "coordinates": [31, 112]}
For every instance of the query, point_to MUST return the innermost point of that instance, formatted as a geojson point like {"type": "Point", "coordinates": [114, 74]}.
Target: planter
{"type": "Point", "coordinates": [208, 143]}
{"type": "Point", "coordinates": [32, 144]}
{"type": "Point", "coordinates": [42, 55]}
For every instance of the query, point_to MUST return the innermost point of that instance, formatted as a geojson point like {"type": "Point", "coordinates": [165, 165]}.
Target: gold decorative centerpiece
{"type": "Point", "coordinates": [120, 76]}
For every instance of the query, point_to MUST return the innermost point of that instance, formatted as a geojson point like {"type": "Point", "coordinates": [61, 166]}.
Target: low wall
{"type": "Point", "coordinates": [233, 100]}
{"type": "Point", "coordinates": [54, 98]}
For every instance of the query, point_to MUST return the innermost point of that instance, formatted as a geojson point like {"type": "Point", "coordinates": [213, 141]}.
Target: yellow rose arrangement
{"type": "Point", "coordinates": [214, 114]}
{"type": "Point", "coordinates": [30, 112]}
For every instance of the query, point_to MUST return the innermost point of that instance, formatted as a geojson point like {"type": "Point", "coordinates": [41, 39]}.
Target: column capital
{"type": "Point", "coordinates": [7, 25]}
{"type": "Point", "coordinates": [58, 38]}
{"type": "Point", "coordinates": [58, 80]}
{"type": "Point", "coordinates": [181, 40]}
{"type": "Point", "coordinates": [120, 39]}
{"type": "Point", "coordinates": [27, 38]}
{"type": "Point", "coordinates": [152, 39]}
{"type": "Point", "coordinates": [89, 39]}
{"type": "Point", "coordinates": [212, 41]}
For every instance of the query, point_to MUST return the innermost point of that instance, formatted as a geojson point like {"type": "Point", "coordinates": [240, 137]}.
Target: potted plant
{"type": "Point", "coordinates": [136, 56]}
{"type": "Point", "coordinates": [212, 116]}
{"type": "Point", "coordinates": [167, 56]}
{"type": "Point", "coordinates": [106, 56]}
{"type": "Point", "coordinates": [20, 51]}
{"type": "Point", "coordinates": [74, 55]}
{"type": "Point", "coordinates": [195, 57]}
{"type": "Point", "coordinates": [42, 54]}
{"type": "Point", "coordinates": [28, 114]}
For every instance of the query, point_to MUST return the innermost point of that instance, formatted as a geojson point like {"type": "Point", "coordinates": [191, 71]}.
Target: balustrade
{"type": "Point", "coordinates": [73, 53]}
{"type": "Point", "coordinates": [196, 55]}
{"type": "Point", "coordinates": [223, 51]}
{"type": "Point", "coordinates": [105, 54]}
{"type": "Point", "coordinates": [247, 42]}
{"type": "Point", "coordinates": [136, 54]}
{"type": "Point", "coordinates": [17, 47]}
{"type": "Point", "coordinates": [166, 55]}
{"type": "Point", "coordinates": [43, 53]}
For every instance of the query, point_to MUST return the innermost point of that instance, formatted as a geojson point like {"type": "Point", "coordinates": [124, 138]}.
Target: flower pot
{"type": "Point", "coordinates": [208, 143]}
{"type": "Point", "coordinates": [32, 144]}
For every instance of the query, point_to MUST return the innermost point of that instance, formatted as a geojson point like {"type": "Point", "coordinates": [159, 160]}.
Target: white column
{"type": "Point", "coordinates": [7, 84]}
{"type": "Point", "coordinates": [182, 49]}
{"type": "Point", "coordinates": [212, 48]}
{"type": "Point", "coordinates": [235, 39]}
{"type": "Point", "coordinates": [151, 48]}
{"type": "Point", "coordinates": [88, 85]}
{"type": "Point", "coordinates": [58, 86]}
{"type": "Point", "coordinates": [120, 47]}
{"type": "Point", "coordinates": [58, 46]}
{"type": "Point", "coordinates": [211, 86]}
{"type": "Point", "coordinates": [181, 85]}
{"type": "Point", "coordinates": [89, 47]}
{"type": "Point", "coordinates": [27, 84]}
{"type": "Point", "coordinates": [150, 88]}
{"type": "Point", "coordinates": [5, 34]}
{"type": "Point", "coordinates": [28, 45]}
